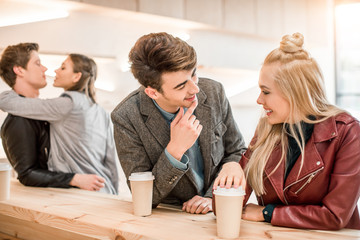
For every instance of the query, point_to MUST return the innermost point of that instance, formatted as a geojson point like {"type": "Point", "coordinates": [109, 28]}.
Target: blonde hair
{"type": "Point", "coordinates": [301, 83]}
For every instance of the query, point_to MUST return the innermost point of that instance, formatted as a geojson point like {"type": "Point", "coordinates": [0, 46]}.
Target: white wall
{"type": "Point", "coordinates": [238, 40]}
{"type": "Point", "coordinates": [232, 37]}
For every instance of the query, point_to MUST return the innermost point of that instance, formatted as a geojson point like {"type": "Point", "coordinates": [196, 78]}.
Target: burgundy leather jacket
{"type": "Point", "coordinates": [325, 194]}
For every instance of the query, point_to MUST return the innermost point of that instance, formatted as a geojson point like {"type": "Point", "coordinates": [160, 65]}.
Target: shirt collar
{"type": "Point", "coordinates": [168, 116]}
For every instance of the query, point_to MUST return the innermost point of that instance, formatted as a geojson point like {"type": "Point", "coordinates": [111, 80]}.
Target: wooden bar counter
{"type": "Point", "coordinates": [51, 213]}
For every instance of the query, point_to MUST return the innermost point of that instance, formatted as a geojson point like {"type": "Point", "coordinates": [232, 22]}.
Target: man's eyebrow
{"type": "Point", "coordinates": [193, 73]}
{"type": "Point", "coordinates": [180, 84]}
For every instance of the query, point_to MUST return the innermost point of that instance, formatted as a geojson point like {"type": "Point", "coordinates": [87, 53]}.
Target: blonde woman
{"type": "Point", "coordinates": [304, 161]}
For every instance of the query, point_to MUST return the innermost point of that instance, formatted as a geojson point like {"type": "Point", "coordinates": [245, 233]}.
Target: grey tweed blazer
{"type": "Point", "coordinates": [142, 134]}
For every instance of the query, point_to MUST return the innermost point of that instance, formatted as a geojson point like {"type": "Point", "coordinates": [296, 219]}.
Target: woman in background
{"type": "Point", "coordinates": [304, 160]}
{"type": "Point", "coordinates": [81, 133]}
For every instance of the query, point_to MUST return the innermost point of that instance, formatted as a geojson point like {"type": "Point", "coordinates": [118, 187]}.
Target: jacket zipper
{"type": "Point", "coordinates": [307, 182]}
{"type": "Point", "coordinates": [310, 175]}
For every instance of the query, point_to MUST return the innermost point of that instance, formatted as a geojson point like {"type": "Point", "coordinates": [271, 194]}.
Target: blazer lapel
{"type": "Point", "coordinates": [159, 128]}
{"type": "Point", "coordinates": [155, 122]}
{"type": "Point", "coordinates": [204, 114]}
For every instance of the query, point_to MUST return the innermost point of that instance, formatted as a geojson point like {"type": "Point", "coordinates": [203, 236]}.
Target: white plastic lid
{"type": "Point", "coordinates": [229, 191]}
{"type": "Point", "coordinates": [141, 176]}
{"type": "Point", "coordinates": [5, 167]}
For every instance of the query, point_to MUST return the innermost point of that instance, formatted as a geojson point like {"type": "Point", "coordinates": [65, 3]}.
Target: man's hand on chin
{"type": "Point", "coordinates": [198, 205]}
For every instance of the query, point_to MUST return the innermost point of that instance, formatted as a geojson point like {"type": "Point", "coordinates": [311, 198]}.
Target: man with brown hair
{"type": "Point", "coordinates": [177, 126]}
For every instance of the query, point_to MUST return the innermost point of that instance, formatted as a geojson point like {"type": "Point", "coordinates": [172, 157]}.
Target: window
{"type": "Point", "coordinates": [347, 39]}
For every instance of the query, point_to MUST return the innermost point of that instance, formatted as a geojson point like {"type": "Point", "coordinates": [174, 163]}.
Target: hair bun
{"type": "Point", "coordinates": [292, 43]}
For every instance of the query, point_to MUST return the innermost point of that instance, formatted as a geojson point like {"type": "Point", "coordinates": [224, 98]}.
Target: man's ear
{"type": "Point", "coordinates": [152, 92]}
{"type": "Point", "coordinates": [18, 70]}
{"type": "Point", "coordinates": [76, 77]}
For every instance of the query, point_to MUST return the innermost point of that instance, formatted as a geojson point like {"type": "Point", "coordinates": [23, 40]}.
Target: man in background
{"type": "Point", "coordinates": [26, 141]}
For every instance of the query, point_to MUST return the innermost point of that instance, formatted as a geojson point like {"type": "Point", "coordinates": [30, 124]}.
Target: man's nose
{"type": "Point", "coordinates": [194, 88]}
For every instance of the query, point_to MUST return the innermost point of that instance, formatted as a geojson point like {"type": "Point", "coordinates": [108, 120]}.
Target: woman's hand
{"type": "Point", "coordinates": [89, 182]}
{"type": "Point", "coordinates": [230, 174]}
{"type": "Point", "coordinates": [253, 212]}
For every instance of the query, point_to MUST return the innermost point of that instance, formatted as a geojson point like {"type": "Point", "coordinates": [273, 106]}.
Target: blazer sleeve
{"type": "Point", "coordinates": [232, 141]}
{"type": "Point", "coordinates": [133, 158]}
{"type": "Point", "coordinates": [20, 144]}
{"type": "Point", "coordinates": [343, 194]}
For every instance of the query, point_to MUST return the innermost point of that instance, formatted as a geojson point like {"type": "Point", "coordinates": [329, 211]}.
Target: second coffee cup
{"type": "Point", "coordinates": [229, 204]}
{"type": "Point", "coordinates": [142, 191]}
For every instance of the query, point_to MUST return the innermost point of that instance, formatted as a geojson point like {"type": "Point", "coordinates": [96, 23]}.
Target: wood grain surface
{"type": "Point", "coordinates": [51, 213]}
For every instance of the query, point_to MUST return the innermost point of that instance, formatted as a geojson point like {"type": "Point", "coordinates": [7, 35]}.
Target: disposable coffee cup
{"type": "Point", "coordinates": [229, 204]}
{"type": "Point", "coordinates": [4, 181]}
{"type": "Point", "coordinates": [142, 192]}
